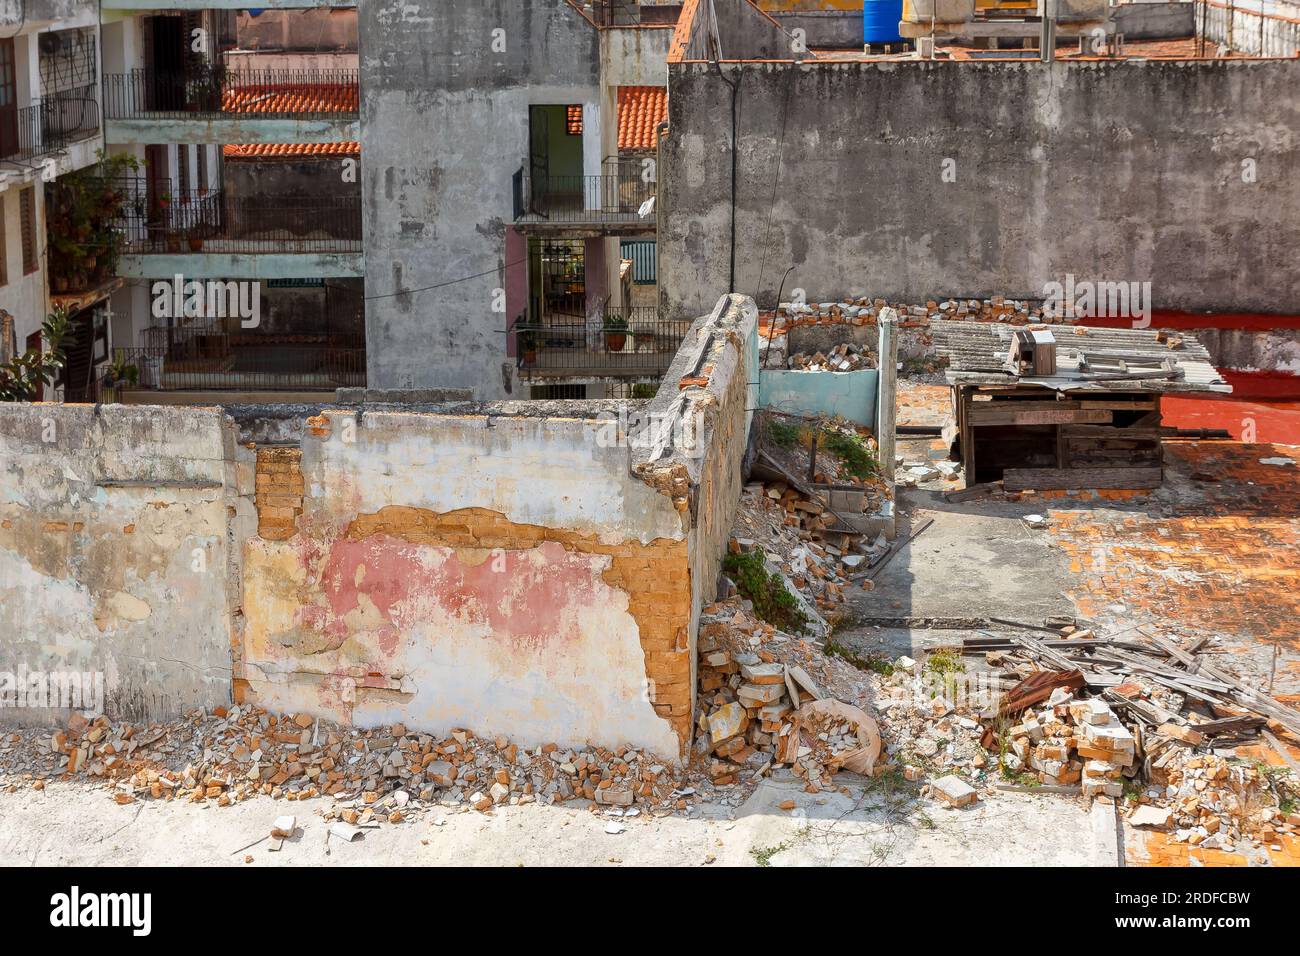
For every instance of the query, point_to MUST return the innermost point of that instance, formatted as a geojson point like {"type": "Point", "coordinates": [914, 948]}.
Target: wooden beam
{"type": "Point", "coordinates": [1003, 414]}
{"type": "Point", "coordinates": [1064, 479]}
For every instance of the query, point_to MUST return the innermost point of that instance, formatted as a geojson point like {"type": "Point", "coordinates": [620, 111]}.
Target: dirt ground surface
{"type": "Point", "coordinates": [71, 823]}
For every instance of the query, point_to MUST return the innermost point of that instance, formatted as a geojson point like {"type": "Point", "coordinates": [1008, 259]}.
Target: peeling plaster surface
{"type": "Point", "coordinates": [113, 553]}
{"type": "Point", "coordinates": [389, 604]}
{"type": "Point", "coordinates": [549, 472]}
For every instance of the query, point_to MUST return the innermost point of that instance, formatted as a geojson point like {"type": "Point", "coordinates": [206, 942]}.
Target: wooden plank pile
{"type": "Point", "coordinates": [1141, 716]}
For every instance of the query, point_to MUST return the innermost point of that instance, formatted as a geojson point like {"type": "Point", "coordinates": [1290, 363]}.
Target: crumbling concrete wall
{"type": "Point", "coordinates": [529, 569]}
{"type": "Point", "coordinates": [911, 180]}
{"type": "Point", "coordinates": [701, 417]}
{"type": "Point", "coordinates": [507, 574]}
{"type": "Point", "coordinates": [116, 534]}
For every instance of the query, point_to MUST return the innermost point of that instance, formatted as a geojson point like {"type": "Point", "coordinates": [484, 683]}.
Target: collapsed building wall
{"type": "Point", "coordinates": [534, 570]}
{"type": "Point", "coordinates": [117, 553]}
{"type": "Point", "coordinates": [504, 573]}
{"type": "Point", "coordinates": [910, 180]}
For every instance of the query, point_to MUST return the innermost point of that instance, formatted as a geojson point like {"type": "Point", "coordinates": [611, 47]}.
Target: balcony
{"type": "Point", "coordinates": [608, 204]}
{"type": "Point", "coordinates": [625, 343]}
{"type": "Point", "coordinates": [221, 105]}
{"type": "Point", "coordinates": [214, 234]}
{"type": "Point", "coordinates": [206, 362]}
{"type": "Point", "coordinates": [52, 127]}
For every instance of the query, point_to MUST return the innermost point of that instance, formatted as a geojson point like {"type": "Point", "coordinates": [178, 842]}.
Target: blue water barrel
{"type": "Point", "coordinates": [880, 20]}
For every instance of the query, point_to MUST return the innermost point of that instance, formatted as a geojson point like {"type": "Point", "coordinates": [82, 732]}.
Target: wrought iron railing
{"type": "Point", "coordinates": [248, 368]}
{"type": "Point", "coordinates": [634, 342]}
{"type": "Point", "coordinates": [297, 94]}
{"type": "Point", "coordinates": [616, 197]}
{"type": "Point", "coordinates": [157, 220]}
{"type": "Point", "coordinates": [52, 125]}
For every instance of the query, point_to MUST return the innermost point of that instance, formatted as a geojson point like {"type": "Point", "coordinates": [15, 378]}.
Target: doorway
{"type": "Point", "coordinates": [555, 157]}
{"type": "Point", "coordinates": [8, 99]}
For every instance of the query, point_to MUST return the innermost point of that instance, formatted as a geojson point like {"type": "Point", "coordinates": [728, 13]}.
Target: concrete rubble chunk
{"type": "Point", "coordinates": [954, 791]}
{"type": "Point", "coordinates": [726, 722]}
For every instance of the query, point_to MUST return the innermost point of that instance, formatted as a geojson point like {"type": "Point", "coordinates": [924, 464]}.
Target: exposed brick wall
{"type": "Point", "coordinates": [279, 491]}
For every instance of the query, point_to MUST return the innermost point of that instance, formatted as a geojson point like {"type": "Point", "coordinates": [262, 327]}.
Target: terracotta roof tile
{"type": "Point", "coordinates": [291, 98]}
{"type": "Point", "coordinates": [288, 150]}
{"type": "Point", "coordinates": [640, 110]}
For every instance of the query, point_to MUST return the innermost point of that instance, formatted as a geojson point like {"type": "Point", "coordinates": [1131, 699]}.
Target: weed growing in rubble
{"type": "Point", "coordinates": [853, 451]}
{"type": "Point", "coordinates": [877, 665]}
{"type": "Point", "coordinates": [763, 854]}
{"type": "Point", "coordinates": [772, 602]}
{"type": "Point", "coordinates": [782, 434]}
{"type": "Point", "coordinates": [944, 662]}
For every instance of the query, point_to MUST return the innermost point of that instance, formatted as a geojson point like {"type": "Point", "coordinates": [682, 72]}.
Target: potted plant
{"type": "Point", "coordinates": [528, 346]}
{"type": "Point", "coordinates": [615, 327]}
{"type": "Point", "coordinates": [194, 236]}
{"type": "Point", "coordinates": [119, 372]}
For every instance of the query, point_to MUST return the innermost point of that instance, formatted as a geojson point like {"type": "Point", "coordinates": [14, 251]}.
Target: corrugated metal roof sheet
{"type": "Point", "coordinates": [976, 351]}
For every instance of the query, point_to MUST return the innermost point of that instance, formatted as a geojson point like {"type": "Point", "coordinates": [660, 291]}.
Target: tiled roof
{"type": "Point", "coordinates": [640, 110]}
{"type": "Point", "coordinates": [288, 150]}
{"type": "Point", "coordinates": [291, 98]}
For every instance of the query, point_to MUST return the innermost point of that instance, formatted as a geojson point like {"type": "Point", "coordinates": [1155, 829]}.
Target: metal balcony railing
{"type": "Point", "coordinates": [222, 364]}
{"type": "Point", "coordinates": [611, 198]}
{"type": "Point", "coordinates": [216, 90]}
{"type": "Point", "coordinates": [620, 342]}
{"type": "Point", "coordinates": [158, 220]}
{"type": "Point", "coordinates": [52, 125]}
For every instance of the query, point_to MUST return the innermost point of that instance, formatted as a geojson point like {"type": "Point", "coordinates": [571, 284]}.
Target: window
{"type": "Point", "coordinates": [573, 120]}
{"type": "Point", "coordinates": [27, 223]}
{"type": "Point", "coordinates": [183, 172]}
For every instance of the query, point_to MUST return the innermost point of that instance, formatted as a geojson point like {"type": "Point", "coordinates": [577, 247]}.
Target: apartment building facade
{"type": "Point", "coordinates": [498, 203]}
{"type": "Point", "coordinates": [499, 159]}
{"type": "Point", "coordinates": [49, 129]}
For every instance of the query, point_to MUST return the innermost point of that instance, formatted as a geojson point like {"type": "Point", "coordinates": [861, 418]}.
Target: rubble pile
{"type": "Point", "coordinates": [845, 357]}
{"type": "Point", "coordinates": [757, 704]}
{"type": "Point", "coordinates": [864, 310]}
{"type": "Point", "coordinates": [820, 572]}
{"type": "Point", "coordinates": [1072, 742]}
{"type": "Point", "coordinates": [373, 775]}
{"type": "Point", "coordinates": [1119, 724]}
{"type": "Point", "coordinates": [1209, 801]}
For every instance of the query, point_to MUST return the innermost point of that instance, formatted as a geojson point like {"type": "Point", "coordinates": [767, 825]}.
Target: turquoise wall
{"type": "Point", "coordinates": [850, 394]}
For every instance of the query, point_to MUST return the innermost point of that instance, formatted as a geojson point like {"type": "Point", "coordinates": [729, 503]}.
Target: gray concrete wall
{"type": "Point", "coordinates": [445, 127]}
{"type": "Point", "coordinates": [749, 33]}
{"type": "Point", "coordinates": [635, 56]}
{"type": "Point", "coordinates": [1155, 21]}
{"type": "Point", "coordinates": [824, 28]}
{"type": "Point", "coordinates": [307, 30]}
{"type": "Point", "coordinates": [1111, 171]}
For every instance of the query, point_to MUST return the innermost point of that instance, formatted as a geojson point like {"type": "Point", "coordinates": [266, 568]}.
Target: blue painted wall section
{"type": "Point", "coordinates": [850, 394]}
